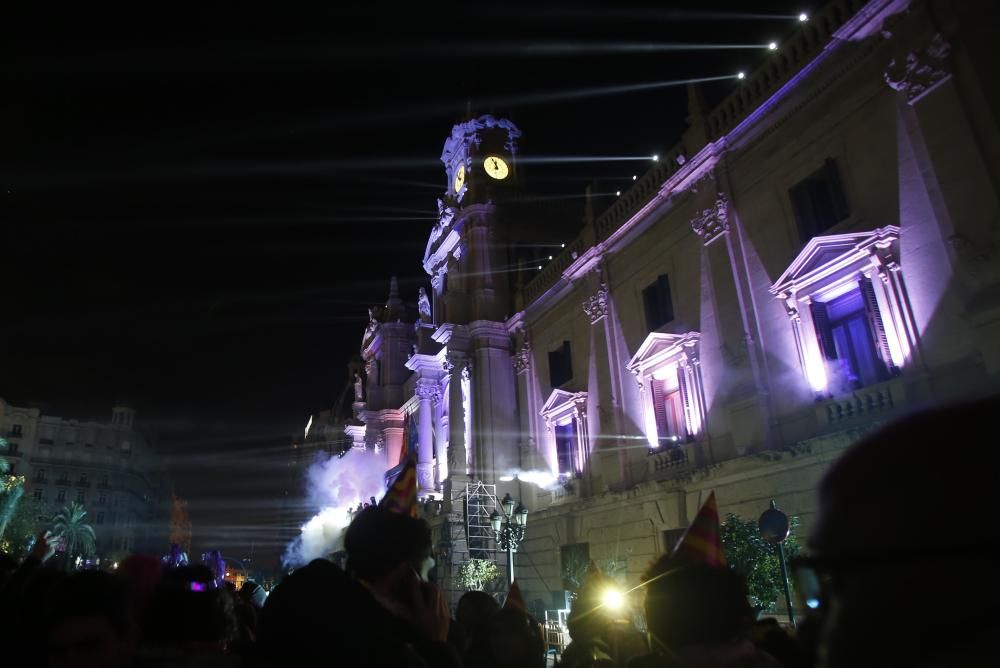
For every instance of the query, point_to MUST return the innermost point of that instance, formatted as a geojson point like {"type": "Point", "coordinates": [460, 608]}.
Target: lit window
{"type": "Point", "coordinates": [667, 368]}
{"type": "Point", "coordinates": [850, 316]}
{"type": "Point", "coordinates": [568, 449]}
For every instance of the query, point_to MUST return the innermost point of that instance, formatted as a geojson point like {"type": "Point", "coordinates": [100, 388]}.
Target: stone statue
{"type": "Point", "coordinates": [424, 305]}
{"type": "Point", "coordinates": [446, 213]}
{"type": "Point", "coordinates": [358, 388]}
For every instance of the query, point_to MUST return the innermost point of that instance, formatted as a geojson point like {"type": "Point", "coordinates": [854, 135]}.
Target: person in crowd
{"type": "Point", "coordinates": [697, 611]}
{"type": "Point", "coordinates": [509, 638]}
{"type": "Point", "coordinates": [89, 622]}
{"type": "Point", "coordinates": [390, 554]}
{"type": "Point", "coordinates": [903, 546]}
{"type": "Point", "coordinates": [318, 616]}
{"type": "Point", "coordinates": [473, 612]}
{"type": "Point", "coordinates": [189, 618]}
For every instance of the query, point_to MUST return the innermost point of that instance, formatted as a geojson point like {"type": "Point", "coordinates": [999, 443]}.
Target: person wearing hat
{"type": "Point", "coordinates": [697, 613]}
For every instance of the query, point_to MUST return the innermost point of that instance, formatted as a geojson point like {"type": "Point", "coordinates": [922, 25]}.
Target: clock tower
{"type": "Point", "coordinates": [466, 251]}
{"type": "Point", "coordinates": [467, 259]}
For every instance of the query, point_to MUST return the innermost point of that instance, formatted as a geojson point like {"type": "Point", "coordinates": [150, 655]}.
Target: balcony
{"type": "Point", "coordinates": [63, 482]}
{"type": "Point", "coordinates": [669, 461]}
{"type": "Point", "coordinates": [40, 480]}
{"type": "Point", "coordinates": [862, 405]}
{"type": "Point", "coordinates": [84, 484]}
{"type": "Point", "coordinates": [103, 485]}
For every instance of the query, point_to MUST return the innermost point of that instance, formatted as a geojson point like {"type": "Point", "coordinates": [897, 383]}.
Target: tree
{"type": "Point", "coordinates": [70, 525]}
{"type": "Point", "coordinates": [180, 524]}
{"type": "Point", "coordinates": [26, 522]}
{"type": "Point", "coordinates": [748, 553]}
{"type": "Point", "coordinates": [476, 574]}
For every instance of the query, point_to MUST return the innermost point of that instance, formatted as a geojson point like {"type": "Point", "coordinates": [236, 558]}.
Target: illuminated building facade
{"type": "Point", "coordinates": [108, 467]}
{"type": "Point", "coordinates": [816, 256]}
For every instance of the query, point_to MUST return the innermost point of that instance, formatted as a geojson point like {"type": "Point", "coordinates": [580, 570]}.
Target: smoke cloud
{"type": "Point", "coordinates": [334, 485]}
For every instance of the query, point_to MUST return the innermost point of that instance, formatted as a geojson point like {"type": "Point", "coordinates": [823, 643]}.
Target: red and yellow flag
{"type": "Point", "coordinates": [702, 542]}
{"type": "Point", "coordinates": [401, 497]}
{"type": "Point", "coordinates": [515, 599]}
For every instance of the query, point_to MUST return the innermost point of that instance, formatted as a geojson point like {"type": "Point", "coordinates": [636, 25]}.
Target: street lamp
{"type": "Point", "coordinates": [774, 529]}
{"type": "Point", "coordinates": [509, 529]}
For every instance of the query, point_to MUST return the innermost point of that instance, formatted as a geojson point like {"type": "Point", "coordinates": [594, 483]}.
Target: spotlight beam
{"type": "Point", "coordinates": [550, 159]}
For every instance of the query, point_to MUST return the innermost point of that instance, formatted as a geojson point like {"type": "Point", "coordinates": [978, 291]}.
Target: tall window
{"type": "Point", "coordinates": [847, 332]}
{"type": "Point", "coordinates": [560, 365]}
{"type": "Point", "coordinates": [566, 448]}
{"type": "Point", "coordinates": [16, 430]}
{"type": "Point", "coordinates": [669, 409]}
{"type": "Point", "coordinates": [61, 495]}
{"type": "Point", "coordinates": [657, 303]}
{"type": "Point", "coordinates": [37, 495]}
{"type": "Point", "coordinates": [818, 201]}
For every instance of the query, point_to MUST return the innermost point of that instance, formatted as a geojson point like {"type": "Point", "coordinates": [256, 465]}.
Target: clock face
{"type": "Point", "coordinates": [496, 167]}
{"type": "Point", "coordinates": [459, 178]}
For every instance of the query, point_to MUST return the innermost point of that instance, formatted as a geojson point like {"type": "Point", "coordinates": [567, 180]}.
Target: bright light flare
{"type": "Point", "coordinates": [613, 599]}
{"type": "Point", "coordinates": [634, 177]}
{"type": "Point", "coordinates": [741, 75]}
{"type": "Point", "coordinates": [618, 193]}
{"type": "Point", "coordinates": [655, 157]}
{"type": "Point", "coordinates": [772, 46]}
{"type": "Point", "coordinates": [803, 17]}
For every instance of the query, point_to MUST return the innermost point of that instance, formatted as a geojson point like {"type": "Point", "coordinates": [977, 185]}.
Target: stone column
{"type": "Point", "coordinates": [427, 392]}
{"type": "Point", "coordinates": [456, 414]}
{"type": "Point", "coordinates": [440, 441]}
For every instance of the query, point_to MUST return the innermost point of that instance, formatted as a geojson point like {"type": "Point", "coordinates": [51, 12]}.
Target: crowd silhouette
{"type": "Point", "coordinates": [895, 576]}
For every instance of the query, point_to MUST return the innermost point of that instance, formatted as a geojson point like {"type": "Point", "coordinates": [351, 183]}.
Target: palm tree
{"type": "Point", "coordinates": [79, 537]}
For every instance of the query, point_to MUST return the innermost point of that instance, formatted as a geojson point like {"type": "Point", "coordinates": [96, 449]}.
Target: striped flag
{"type": "Point", "coordinates": [404, 452]}
{"type": "Point", "coordinates": [401, 497]}
{"type": "Point", "coordinates": [515, 599]}
{"type": "Point", "coordinates": [702, 542]}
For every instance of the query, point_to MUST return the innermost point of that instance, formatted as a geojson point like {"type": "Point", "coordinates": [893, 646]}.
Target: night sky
{"type": "Point", "coordinates": [197, 208]}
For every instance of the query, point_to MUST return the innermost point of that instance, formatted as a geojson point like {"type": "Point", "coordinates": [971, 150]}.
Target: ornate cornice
{"type": "Point", "coordinates": [596, 306]}
{"type": "Point", "coordinates": [920, 71]}
{"type": "Point", "coordinates": [429, 390]}
{"type": "Point", "coordinates": [712, 222]}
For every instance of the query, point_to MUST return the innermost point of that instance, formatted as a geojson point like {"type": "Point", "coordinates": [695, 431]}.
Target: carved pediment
{"type": "Point", "coordinates": [561, 402]}
{"type": "Point", "coordinates": [825, 257]}
{"type": "Point", "coordinates": [660, 347]}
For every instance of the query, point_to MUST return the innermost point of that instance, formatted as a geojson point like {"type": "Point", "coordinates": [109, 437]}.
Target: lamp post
{"type": "Point", "coordinates": [509, 529]}
{"type": "Point", "coordinates": [774, 528]}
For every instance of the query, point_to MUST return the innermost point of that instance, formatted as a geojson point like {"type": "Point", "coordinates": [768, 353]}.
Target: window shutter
{"type": "Point", "coordinates": [823, 333]}
{"type": "Point", "coordinates": [685, 400]}
{"type": "Point", "coordinates": [876, 325]}
{"type": "Point", "coordinates": [660, 409]}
